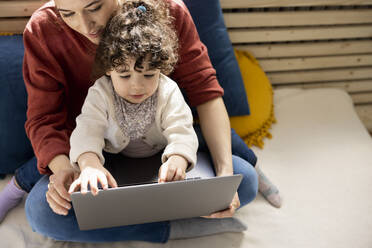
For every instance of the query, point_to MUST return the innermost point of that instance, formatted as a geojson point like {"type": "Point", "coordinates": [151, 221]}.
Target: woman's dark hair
{"type": "Point", "coordinates": [141, 33]}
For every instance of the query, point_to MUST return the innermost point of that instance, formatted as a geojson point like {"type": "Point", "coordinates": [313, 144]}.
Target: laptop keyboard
{"type": "Point", "coordinates": [155, 181]}
{"type": "Point", "coordinates": [192, 178]}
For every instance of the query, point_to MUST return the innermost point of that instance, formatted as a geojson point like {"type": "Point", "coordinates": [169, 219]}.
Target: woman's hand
{"type": "Point", "coordinates": [229, 212]}
{"type": "Point", "coordinates": [174, 169]}
{"type": "Point", "coordinates": [63, 175]}
{"type": "Point", "coordinates": [92, 171]}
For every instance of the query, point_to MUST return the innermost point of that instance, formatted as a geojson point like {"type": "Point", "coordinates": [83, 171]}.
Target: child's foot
{"type": "Point", "coordinates": [10, 197]}
{"type": "Point", "coordinates": [268, 190]}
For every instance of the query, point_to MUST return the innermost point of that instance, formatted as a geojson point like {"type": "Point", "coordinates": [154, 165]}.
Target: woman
{"type": "Point", "coordinates": [60, 43]}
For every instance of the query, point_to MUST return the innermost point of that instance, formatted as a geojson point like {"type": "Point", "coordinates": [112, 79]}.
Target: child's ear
{"type": "Point", "coordinates": [108, 73]}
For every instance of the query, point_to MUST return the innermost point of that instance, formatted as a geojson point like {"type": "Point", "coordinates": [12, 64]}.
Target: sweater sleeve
{"type": "Point", "coordinates": [194, 72]}
{"type": "Point", "coordinates": [177, 126]}
{"type": "Point", "coordinates": [46, 114]}
{"type": "Point", "coordinates": [91, 124]}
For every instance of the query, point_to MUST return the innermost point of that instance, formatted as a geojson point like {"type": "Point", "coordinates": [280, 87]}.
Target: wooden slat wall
{"type": "Point", "coordinates": [230, 4]}
{"type": "Point", "coordinates": [303, 18]}
{"type": "Point", "coordinates": [308, 44]}
{"type": "Point", "coordinates": [15, 8]}
{"type": "Point", "coordinates": [14, 14]}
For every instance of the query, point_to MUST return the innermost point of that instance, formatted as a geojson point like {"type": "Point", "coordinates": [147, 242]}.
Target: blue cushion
{"type": "Point", "coordinates": [209, 22]}
{"type": "Point", "coordinates": [15, 148]}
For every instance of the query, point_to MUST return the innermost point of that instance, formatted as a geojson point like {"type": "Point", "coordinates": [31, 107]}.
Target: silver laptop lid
{"type": "Point", "coordinates": [154, 202]}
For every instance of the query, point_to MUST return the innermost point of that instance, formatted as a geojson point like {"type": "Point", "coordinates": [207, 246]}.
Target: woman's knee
{"type": "Point", "coordinates": [39, 215]}
{"type": "Point", "coordinates": [240, 148]}
{"type": "Point", "coordinates": [34, 206]}
{"type": "Point", "coordinates": [248, 187]}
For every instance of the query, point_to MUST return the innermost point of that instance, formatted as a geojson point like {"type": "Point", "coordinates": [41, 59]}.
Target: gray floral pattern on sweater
{"type": "Point", "coordinates": [135, 118]}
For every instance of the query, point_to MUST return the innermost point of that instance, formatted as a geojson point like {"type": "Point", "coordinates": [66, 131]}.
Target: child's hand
{"type": "Point", "coordinates": [92, 171]}
{"type": "Point", "coordinates": [174, 169]}
{"type": "Point", "coordinates": [92, 175]}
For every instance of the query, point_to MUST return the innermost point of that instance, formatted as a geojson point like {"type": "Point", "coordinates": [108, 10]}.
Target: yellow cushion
{"type": "Point", "coordinates": [255, 127]}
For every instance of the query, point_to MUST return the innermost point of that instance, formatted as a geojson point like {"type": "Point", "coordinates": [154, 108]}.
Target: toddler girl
{"type": "Point", "coordinates": [135, 109]}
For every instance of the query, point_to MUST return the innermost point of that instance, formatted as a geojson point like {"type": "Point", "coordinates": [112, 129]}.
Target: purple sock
{"type": "Point", "coordinates": [10, 197]}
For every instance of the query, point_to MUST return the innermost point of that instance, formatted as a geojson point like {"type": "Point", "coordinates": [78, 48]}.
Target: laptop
{"type": "Point", "coordinates": [140, 199]}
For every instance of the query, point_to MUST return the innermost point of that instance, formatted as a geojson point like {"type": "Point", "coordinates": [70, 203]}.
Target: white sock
{"type": "Point", "coordinates": [268, 190]}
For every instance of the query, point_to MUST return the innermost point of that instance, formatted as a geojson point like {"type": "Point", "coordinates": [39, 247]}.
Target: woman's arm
{"type": "Point", "coordinates": [195, 74]}
{"type": "Point", "coordinates": [215, 126]}
{"type": "Point", "coordinates": [47, 118]}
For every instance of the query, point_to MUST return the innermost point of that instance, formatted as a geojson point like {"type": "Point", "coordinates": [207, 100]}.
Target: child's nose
{"type": "Point", "coordinates": [136, 83]}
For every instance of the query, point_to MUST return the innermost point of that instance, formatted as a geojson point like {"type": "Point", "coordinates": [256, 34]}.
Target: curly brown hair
{"type": "Point", "coordinates": [139, 33]}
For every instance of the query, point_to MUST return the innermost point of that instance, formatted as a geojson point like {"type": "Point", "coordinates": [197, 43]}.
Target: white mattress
{"type": "Point", "coordinates": [321, 159]}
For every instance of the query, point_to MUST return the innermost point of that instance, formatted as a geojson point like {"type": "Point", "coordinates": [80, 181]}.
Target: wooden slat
{"type": "Point", "coordinates": [297, 18]}
{"type": "Point", "coordinates": [16, 25]}
{"type": "Point", "coordinates": [308, 63]}
{"type": "Point", "coordinates": [349, 86]}
{"type": "Point", "coordinates": [365, 114]}
{"type": "Point", "coordinates": [297, 33]}
{"type": "Point", "coordinates": [320, 75]}
{"type": "Point", "coordinates": [19, 8]}
{"type": "Point", "coordinates": [308, 49]}
{"type": "Point", "coordinates": [362, 98]}
{"type": "Point", "coordinates": [231, 4]}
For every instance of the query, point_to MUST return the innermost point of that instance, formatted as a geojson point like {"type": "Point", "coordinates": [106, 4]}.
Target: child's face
{"type": "Point", "coordinates": [136, 84]}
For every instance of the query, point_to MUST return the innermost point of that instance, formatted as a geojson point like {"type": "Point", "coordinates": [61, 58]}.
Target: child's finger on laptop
{"type": "Point", "coordinates": [111, 180]}
{"type": "Point", "coordinates": [179, 175]}
{"type": "Point", "coordinates": [74, 185]}
{"type": "Point", "coordinates": [102, 180]}
{"type": "Point", "coordinates": [171, 173]}
{"type": "Point", "coordinates": [93, 184]}
{"type": "Point", "coordinates": [163, 173]}
{"type": "Point", "coordinates": [84, 184]}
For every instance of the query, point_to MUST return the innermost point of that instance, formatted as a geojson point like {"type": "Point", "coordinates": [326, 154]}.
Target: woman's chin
{"type": "Point", "coordinates": [94, 40]}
